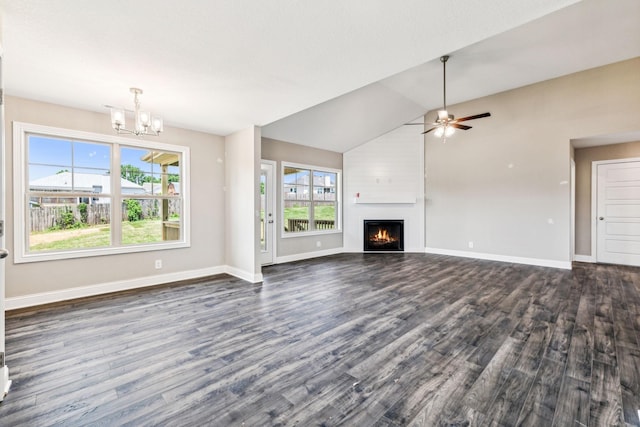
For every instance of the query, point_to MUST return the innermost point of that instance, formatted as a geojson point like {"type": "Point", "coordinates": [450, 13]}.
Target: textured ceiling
{"type": "Point", "coordinates": [221, 66]}
{"type": "Point", "coordinates": [585, 35]}
{"type": "Point", "coordinates": [330, 74]}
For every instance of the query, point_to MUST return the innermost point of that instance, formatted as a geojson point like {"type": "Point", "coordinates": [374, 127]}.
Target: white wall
{"type": "Point", "coordinates": [387, 173]}
{"type": "Point", "coordinates": [242, 204]}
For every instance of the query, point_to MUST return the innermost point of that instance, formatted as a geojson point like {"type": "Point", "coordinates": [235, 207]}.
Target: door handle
{"type": "Point", "coordinates": [601, 218]}
{"type": "Point", "coordinates": [4, 253]}
{"type": "Point", "coordinates": [270, 221]}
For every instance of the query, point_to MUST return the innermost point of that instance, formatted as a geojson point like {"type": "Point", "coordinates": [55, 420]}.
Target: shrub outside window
{"type": "Point", "coordinates": [310, 199]}
{"type": "Point", "coordinates": [83, 194]}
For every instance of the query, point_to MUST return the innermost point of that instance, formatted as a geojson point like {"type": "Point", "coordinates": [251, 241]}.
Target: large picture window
{"type": "Point", "coordinates": [310, 199]}
{"type": "Point", "coordinates": [83, 194]}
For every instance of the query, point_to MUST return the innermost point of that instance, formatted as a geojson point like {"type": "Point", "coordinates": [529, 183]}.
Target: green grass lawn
{"type": "Point", "coordinates": [138, 232]}
{"type": "Point", "coordinates": [320, 212]}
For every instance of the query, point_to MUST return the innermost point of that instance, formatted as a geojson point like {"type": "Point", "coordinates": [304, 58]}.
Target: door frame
{"type": "Point", "coordinates": [594, 199]}
{"type": "Point", "coordinates": [572, 229]}
{"type": "Point", "coordinates": [270, 204]}
{"type": "Point", "coordinates": [5, 382]}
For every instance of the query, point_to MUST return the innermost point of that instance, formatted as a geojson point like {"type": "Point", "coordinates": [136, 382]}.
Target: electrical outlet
{"type": "Point", "coordinates": [318, 243]}
{"type": "Point", "coordinates": [158, 264]}
{"type": "Point", "coordinates": [470, 244]}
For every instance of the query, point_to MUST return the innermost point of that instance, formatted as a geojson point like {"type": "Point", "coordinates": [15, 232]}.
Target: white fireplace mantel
{"type": "Point", "coordinates": [399, 199]}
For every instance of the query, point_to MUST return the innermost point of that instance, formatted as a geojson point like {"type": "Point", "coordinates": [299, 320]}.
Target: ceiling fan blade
{"type": "Point", "coordinates": [427, 131]}
{"type": "Point", "coordinates": [477, 116]}
{"type": "Point", "coordinates": [459, 126]}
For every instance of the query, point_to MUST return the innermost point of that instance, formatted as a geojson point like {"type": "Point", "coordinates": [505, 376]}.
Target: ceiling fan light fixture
{"type": "Point", "coordinates": [443, 115]}
{"type": "Point", "coordinates": [448, 131]}
{"type": "Point", "coordinates": [445, 131]}
{"type": "Point", "coordinates": [446, 124]}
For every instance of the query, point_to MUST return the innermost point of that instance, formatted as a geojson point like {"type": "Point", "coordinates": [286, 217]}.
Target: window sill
{"type": "Point", "coordinates": [310, 233]}
{"type": "Point", "coordinates": [86, 253]}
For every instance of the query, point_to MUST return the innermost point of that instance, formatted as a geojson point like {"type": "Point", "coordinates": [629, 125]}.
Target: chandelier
{"type": "Point", "coordinates": [145, 124]}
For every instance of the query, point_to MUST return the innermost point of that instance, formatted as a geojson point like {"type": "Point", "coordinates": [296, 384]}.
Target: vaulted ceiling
{"type": "Point", "coordinates": [329, 74]}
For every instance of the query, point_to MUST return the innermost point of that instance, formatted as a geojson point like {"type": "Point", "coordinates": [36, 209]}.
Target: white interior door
{"type": "Point", "coordinates": [618, 213]}
{"type": "Point", "coordinates": [267, 212]}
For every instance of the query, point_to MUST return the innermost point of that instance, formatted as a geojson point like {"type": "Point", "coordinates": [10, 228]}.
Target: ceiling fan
{"type": "Point", "coordinates": [446, 124]}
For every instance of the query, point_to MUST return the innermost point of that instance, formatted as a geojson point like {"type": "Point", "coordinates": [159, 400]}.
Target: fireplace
{"type": "Point", "coordinates": [383, 235]}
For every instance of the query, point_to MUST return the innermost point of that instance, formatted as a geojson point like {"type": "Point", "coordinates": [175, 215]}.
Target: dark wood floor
{"type": "Point", "coordinates": [352, 339]}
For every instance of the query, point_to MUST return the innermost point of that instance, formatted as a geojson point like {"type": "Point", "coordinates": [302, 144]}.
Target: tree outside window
{"type": "Point", "coordinates": [80, 202]}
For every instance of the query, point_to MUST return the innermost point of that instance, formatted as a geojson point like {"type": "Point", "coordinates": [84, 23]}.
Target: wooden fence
{"type": "Point", "coordinates": [43, 218]}
{"type": "Point", "coordinates": [295, 224]}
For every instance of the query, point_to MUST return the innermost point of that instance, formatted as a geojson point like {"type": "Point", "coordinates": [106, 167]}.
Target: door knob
{"type": "Point", "coordinates": [601, 218]}
{"type": "Point", "coordinates": [3, 253]}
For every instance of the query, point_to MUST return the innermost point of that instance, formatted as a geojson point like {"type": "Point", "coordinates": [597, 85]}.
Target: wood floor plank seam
{"type": "Point", "coordinates": [344, 340]}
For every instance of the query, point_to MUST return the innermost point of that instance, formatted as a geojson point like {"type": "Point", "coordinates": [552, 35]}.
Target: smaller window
{"type": "Point", "coordinates": [310, 199]}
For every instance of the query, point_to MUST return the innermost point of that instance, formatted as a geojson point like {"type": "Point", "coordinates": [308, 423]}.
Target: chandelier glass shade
{"type": "Point", "coordinates": [145, 123]}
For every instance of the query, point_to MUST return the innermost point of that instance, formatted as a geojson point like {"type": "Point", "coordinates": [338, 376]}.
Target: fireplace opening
{"type": "Point", "coordinates": [383, 235]}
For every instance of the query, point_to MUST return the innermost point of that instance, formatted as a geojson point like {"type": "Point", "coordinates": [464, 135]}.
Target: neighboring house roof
{"type": "Point", "coordinates": [83, 182]}
{"type": "Point", "coordinates": [155, 188]}
{"type": "Point", "coordinates": [318, 181]}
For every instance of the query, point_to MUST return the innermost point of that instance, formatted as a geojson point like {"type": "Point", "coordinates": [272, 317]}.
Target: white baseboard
{"type": "Point", "coordinates": [502, 258]}
{"type": "Point", "coordinates": [13, 303]}
{"type": "Point", "coordinates": [244, 275]}
{"type": "Point", "coordinates": [5, 383]}
{"type": "Point", "coordinates": [308, 255]}
{"type": "Point", "coordinates": [584, 258]}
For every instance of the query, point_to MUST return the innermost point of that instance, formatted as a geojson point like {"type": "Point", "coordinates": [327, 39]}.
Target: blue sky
{"type": "Point", "coordinates": [48, 156]}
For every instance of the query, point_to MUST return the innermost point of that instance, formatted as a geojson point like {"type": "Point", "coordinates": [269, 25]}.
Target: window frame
{"type": "Point", "coordinates": [21, 131]}
{"type": "Point", "coordinates": [311, 168]}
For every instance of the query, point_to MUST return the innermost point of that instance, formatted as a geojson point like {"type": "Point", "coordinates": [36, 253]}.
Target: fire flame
{"type": "Point", "coordinates": [382, 236]}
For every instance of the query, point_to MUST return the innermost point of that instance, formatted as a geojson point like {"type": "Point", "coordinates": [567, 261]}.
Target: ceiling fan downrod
{"type": "Point", "coordinates": [444, 59]}
{"type": "Point", "coordinates": [446, 124]}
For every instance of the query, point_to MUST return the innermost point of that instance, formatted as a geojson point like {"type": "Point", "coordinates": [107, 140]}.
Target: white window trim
{"type": "Point", "coordinates": [312, 168]}
{"type": "Point", "coordinates": [20, 169]}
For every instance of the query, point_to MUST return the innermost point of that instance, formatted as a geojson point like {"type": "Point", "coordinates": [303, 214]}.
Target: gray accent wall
{"type": "Point", "coordinates": [505, 184]}
{"type": "Point", "coordinates": [207, 210]}
{"type": "Point", "coordinates": [280, 151]}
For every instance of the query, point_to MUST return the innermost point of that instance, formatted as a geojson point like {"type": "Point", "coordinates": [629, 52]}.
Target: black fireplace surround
{"type": "Point", "coordinates": [385, 235]}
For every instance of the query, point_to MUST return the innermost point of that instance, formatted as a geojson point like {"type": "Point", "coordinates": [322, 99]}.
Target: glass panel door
{"type": "Point", "coordinates": [267, 209]}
